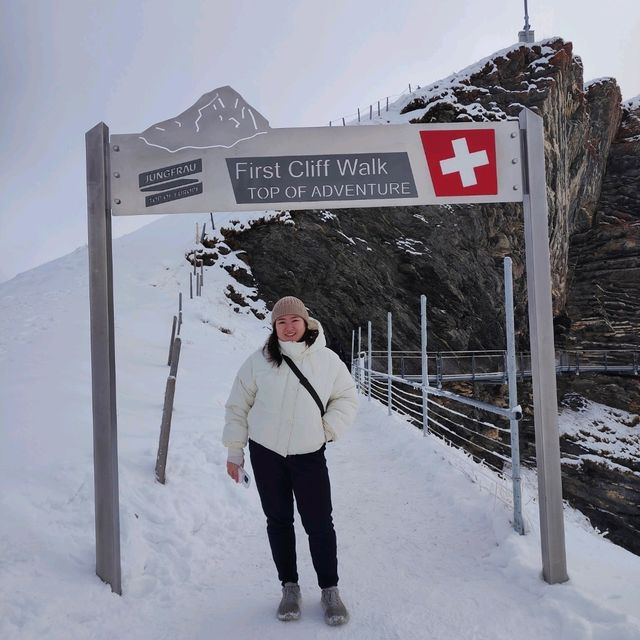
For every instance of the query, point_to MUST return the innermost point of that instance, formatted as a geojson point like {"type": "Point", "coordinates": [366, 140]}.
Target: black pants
{"type": "Point", "coordinates": [306, 477]}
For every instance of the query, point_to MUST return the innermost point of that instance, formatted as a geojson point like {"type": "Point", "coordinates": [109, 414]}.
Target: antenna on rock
{"type": "Point", "coordinates": [527, 34]}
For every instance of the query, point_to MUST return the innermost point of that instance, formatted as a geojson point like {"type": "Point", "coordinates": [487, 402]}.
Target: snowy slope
{"type": "Point", "coordinates": [444, 91]}
{"type": "Point", "coordinates": [426, 549]}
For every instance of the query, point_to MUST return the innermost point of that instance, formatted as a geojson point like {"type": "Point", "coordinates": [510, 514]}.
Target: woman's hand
{"type": "Point", "coordinates": [234, 471]}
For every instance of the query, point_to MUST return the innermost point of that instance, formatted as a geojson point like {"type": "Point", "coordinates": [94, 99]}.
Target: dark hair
{"type": "Point", "coordinates": [271, 349]}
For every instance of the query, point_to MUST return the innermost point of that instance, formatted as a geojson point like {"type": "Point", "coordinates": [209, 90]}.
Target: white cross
{"type": "Point", "coordinates": [464, 162]}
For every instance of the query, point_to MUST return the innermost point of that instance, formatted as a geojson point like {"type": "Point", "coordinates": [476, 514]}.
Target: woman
{"type": "Point", "coordinates": [287, 431]}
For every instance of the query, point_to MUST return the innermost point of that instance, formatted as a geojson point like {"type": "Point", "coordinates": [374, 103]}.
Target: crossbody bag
{"type": "Point", "coordinates": [305, 383]}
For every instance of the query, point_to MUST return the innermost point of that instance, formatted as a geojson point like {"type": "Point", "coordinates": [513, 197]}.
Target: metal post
{"type": "Point", "coordinates": [103, 371]}
{"type": "Point", "coordinates": [353, 339]}
{"type": "Point", "coordinates": [180, 301]}
{"type": "Point", "coordinates": [425, 370]}
{"type": "Point", "coordinates": [359, 359]}
{"type": "Point", "coordinates": [173, 337]}
{"type": "Point", "coordinates": [518, 523]}
{"type": "Point", "coordinates": [545, 404]}
{"type": "Point", "coordinates": [358, 114]}
{"type": "Point", "coordinates": [389, 362]}
{"type": "Point", "coordinates": [370, 112]}
{"type": "Point", "coordinates": [191, 285]}
{"type": "Point", "coordinates": [369, 360]}
{"type": "Point", "coordinates": [167, 412]}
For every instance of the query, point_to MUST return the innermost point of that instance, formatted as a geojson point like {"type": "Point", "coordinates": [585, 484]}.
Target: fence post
{"type": "Point", "coordinates": [167, 411]}
{"type": "Point", "coordinates": [190, 285]}
{"type": "Point", "coordinates": [353, 339]}
{"type": "Point", "coordinates": [358, 114]}
{"type": "Point", "coordinates": [518, 523]}
{"type": "Point", "coordinates": [197, 233]}
{"type": "Point", "coordinates": [204, 226]}
{"type": "Point", "coordinates": [173, 337]}
{"type": "Point", "coordinates": [389, 361]}
{"type": "Point", "coordinates": [344, 124]}
{"type": "Point", "coordinates": [387, 104]}
{"type": "Point", "coordinates": [425, 370]}
{"type": "Point", "coordinates": [213, 226]}
{"type": "Point", "coordinates": [439, 370]}
{"type": "Point", "coordinates": [370, 112]}
{"type": "Point", "coordinates": [180, 301]}
{"type": "Point", "coordinates": [179, 322]}
{"type": "Point", "coordinates": [369, 360]}
{"type": "Point", "coordinates": [358, 356]}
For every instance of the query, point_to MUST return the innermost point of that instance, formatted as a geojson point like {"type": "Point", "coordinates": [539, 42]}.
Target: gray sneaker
{"type": "Point", "coordinates": [289, 608]}
{"type": "Point", "coordinates": [335, 613]}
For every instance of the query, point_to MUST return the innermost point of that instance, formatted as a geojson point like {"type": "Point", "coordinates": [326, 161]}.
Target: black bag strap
{"type": "Point", "coordinates": [305, 383]}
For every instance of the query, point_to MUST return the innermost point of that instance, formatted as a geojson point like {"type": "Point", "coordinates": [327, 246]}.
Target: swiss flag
{"type": "Point", "coordinates": [461, 162]}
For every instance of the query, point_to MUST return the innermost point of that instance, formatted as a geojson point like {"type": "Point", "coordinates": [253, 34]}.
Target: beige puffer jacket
{"type": "Point", "coordinates": [269, 405]}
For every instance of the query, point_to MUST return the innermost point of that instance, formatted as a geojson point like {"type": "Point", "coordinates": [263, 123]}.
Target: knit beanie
{"type": "Point", "coordinates": [289, 306]}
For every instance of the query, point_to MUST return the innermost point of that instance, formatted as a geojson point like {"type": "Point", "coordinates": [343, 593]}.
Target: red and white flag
{"type": "Point", "coordinates": [462, 162]}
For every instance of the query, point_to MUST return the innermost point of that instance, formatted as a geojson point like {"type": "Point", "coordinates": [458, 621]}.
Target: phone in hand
{"type": "Point", "coordinates": [243, 477]}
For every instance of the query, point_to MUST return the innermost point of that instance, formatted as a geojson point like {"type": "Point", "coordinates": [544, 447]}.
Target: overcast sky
{"type": "Point", "coordinates": [66, 65]}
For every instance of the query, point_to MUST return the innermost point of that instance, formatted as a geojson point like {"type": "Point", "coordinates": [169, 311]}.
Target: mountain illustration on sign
{"type": "Point", "coordinates": [221, 118]}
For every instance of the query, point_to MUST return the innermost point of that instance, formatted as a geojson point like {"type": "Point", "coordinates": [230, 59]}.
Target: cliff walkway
{"type": "Point", "coordinates": [490, 366]}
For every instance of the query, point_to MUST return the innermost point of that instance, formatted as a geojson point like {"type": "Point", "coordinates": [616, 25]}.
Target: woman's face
{"type": "Point", "coordinates": [290, 328]}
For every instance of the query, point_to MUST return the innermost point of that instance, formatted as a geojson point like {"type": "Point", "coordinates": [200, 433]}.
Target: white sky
{"type": "Point", "coordinates": [66, 65]}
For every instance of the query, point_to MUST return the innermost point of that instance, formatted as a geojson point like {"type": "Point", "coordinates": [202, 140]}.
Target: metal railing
{"type": "Point", "coordinates": [491, 366]}
{"type": "Point", "coordinates": [487, 432]}
{"type": "Point", "coordinates": [437, 411]}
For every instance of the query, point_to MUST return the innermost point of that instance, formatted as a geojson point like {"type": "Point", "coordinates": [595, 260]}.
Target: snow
{"type": "Point", "coordinates": [444, 92]}
{"type": "Point", "coordinates": [632, 103]}
{"type": "Point", "coordinates": [425, 544]}
{"type": "Point", "coordinates": [605, 433]}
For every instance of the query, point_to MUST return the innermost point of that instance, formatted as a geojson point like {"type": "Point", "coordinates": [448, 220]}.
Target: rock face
{"type": "Point", "coordinates": [603, 298]}
{"type": "Point", "coordinates": [351, 266]}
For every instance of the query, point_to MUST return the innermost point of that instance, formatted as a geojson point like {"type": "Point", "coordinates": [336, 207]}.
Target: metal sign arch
{"type": "Point", "coordinates": [221, 154]}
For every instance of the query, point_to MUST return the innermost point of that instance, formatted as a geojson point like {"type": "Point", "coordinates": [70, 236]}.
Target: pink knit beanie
{"type": "Point", "coordinates": [288, 306]}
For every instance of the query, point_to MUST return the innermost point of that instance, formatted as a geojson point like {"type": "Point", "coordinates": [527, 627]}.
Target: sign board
{"type": "Point", "coordinates": [221, 155]}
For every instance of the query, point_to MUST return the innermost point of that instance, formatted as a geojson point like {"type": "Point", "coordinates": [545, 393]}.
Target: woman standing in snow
{"type": "Point", "coordinates": [287, 417]}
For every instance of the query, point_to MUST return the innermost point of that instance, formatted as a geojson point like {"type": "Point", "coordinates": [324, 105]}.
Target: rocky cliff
{"type": "Point", "coordinates": [603, 299]}
{"type": "Point", "coordinates": [351, 266]}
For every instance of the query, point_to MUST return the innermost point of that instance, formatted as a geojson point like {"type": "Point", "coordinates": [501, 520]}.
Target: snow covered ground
{"type": "Point", "coordinates": [426, 549]}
